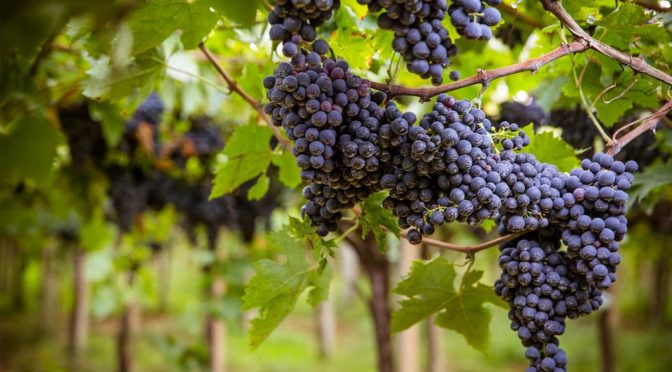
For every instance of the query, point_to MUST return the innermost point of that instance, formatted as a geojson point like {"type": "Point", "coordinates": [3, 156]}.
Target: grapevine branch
{"type": "Point", "coordinates": [484, 77]}
{"type": "Point", "coordinates": [468, 249]}
{"type": "Point", "coordinates": [648, 123]}
{"type": "Point", "coordinates": [636, 63]}
{"type": "Point", "coordinates": [652, 5]}
{"type": "Point", "coordinates": [234, 87]}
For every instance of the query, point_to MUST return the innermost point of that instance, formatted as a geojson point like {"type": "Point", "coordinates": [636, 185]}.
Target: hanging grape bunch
{"type": "Point", "coordinates": [455, 165]}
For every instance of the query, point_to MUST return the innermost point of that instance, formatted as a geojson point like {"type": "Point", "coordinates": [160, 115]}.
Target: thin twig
{"type": "Point", "coordinates": [647, 124]}
{"type": "Point", "coordinates": [483, 77]}
{"type": "Point", "coordinates": [589, 109]}
{"type": "Point", "coordinates": [468, 249]}
{"type": "Point", "coordinates": [518, 16]}
{"type": "Point", "coordinates": [234, 87]}
{"type": "Point", "coordinates": [636, 63]}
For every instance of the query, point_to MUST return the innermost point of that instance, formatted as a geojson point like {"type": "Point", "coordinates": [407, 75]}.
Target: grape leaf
{"type": "Point", "coordinates": [548, 148]}
{"type": "Point", "coordinates": [353, 46]}
{"type": "Point", "coordinates": [630, 21]}
{"type": "Point", "coordinates": [28, 151]}
{"type": "Point", "coordinates": [289, 173]}
{"type": "Point", "coordinates": [276, 287]}
{"type": "Point", "coordinates": [155, 20]}
{"type": "Point", "coordinates": [374, 217]}
{"type": "Point", "coordinates": [430, 289]}
{"type": "Point", "coordinates": [240, 12]}
{"type": "Point", "coordinates": [248, 155]}
{"type": "Point", "coordinates": [648, 182]}
{"type": "Point", "coordinates": [582, 10]}
{"type": "Point", "coordinates": [111, 121]}
{"type": "Point", "coordinates": [259, 189]}
{"type": "Point", "coordinates": [360, 10]}
{"type": "Point", "coordinates": [322, 249]}
{"type": "Point", "coordinates": [137, 80]}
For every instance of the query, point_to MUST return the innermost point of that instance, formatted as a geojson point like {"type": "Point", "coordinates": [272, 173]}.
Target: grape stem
{"type": "Point", "coordinates": [518, 16]}
{"type": "Point", "coordinates": [483, 77]}
{"type": "Point", "coordinates": [234, 87]}
{"type": "Point", "coordinates": [652, 5]}
{"type": "Point", "coordinates": [648, 123]}
{"type": "Point", "coordinates": [468, 249]}
{"type": "Point", "coordinates": [636, 63]}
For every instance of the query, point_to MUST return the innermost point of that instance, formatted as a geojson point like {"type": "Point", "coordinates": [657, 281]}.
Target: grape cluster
{"type": "Point", "coordinates": [597, 219]}
{"type": "Point", "coordinates": [136, 186]}
{"type": "Point", "coordinates": [443, 170]}
{"type": "Point", "coordinates": [521, 113]}
{"type": "Point", "coordinates": [334, 122]}
{"type": "Point", "coordinates": [203, 137]}
{"type": "Point", "coordinates": [585, 211]}
{"type": "Point", "coordinates": [420, 38]}
{"type": "Point", "coordinates": [473, 19]}
{"type": "Point", "coordinates": [537, 283]}
{"type": "Point", "coordinates": [577, 128]}
{"type": "Point", "coordinates": [295, 21]}
{"type": "Point", "coordinates": [85, 137]}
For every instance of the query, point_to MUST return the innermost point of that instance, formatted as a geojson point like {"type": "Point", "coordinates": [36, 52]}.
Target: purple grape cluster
{"type": "Point", "coordinates": [442, 170]}
{"type": "Point", "coordinates": [537, 283]}
{"type": "Point", "coordinates": [295, 21]}
{"type": "Point", "coordinates": [473, 19]}
{"type": "Point", "coordinates": [420, 38]}
{"type": "Point", "coordinates": [334, 121]}
{"type": "Point", "coordinates": [585, 211]}
{"type": "Point", "coordinates": [597, 222]}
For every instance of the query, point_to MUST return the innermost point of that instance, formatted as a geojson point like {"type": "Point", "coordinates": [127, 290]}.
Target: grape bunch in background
{"type": "Point", "coordinates": [473, 19]}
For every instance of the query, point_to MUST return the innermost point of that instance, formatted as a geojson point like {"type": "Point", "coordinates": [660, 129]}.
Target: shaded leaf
{"type": "Point", "coordinates": [429, 289]}
{"type": "Point", "coordinates": [289, 172]}
{"type": "Point", "coordinates": [28, 151]}
{"type": "Point", "coordinates": [156, 20]}
{"type": "Point", "coordinates": [248, 155]}
{"type": "Point", "coordinates": [240, 12]}
{"type": "Point", "coordinates": [259, 189]}
{"type": "Point", "coordinates": [548, 148]}
{"type": "Point", "coordinates": [374, 217]}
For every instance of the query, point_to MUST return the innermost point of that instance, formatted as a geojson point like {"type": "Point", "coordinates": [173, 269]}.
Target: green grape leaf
{"type": "Point", "coordinates": [322, 249]}
{"type": "Point", "coordinates": [111, 121]}
{"type": "Point", "coordinates": [28, 151]}
{"type": "Point", "coordinates": [137, 80]}
{"type": "Point", "coordinates": [630, 22]}
{"type": "Point", "coordinates": [240, 12]}
{"type": "Point", "coordinates": [360, 10]}
{"type": "Point", "coordinates": [649, 181]}
{"type": "Point", "coordinates": [374, 217]}
{"type": "Point", "coordinates": [259, 189]}
{"type": "Point", "coordinates": [276, 287]}
{"type": "Point", "coordinates": [429, 289]}
{"type": "Point", "coordinates": [248, 155]}
{"type": "Point", "coordinates": [548, 148]}
{"type": "Point", "coordinates": [95, 232]}
{"type": "Point", "coordinates": [289, 173]}
{"type": "Point", "coordinates": [582, 10]}
{"type": "Point", "coordinates": [353, 46]}
{"type": "Point", "coordinates": [156, 20]}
